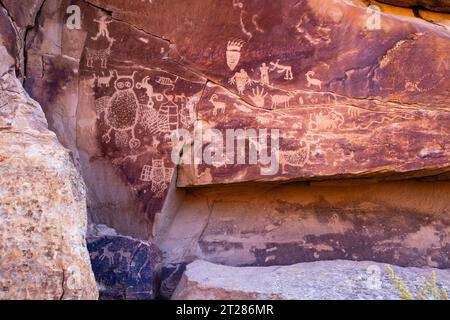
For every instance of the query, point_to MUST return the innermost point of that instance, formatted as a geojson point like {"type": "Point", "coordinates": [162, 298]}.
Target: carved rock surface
{"type": "Point", "coordinates": [125, 268]}
{"type": "Point", "coordinates": [334, 280]}
{"type": "Point", "coordinates": [353, 93]}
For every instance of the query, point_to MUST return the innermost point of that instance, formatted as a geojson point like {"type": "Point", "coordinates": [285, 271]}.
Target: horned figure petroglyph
{"type": "Point", "coordinates": [312, 81]}
{"type": "Point", "coordinates": [278, 99]}
{"type": "Point", "coordinates": [241, 79]}
{"type": "Point", "coordinates": [321, 121]}
{"type": "Point", "coordinates": [233, 53]}
{"type": "Point", "coordinates": [158, 175]}
{"type": "Point", "coordinates": [101, 55]}
{"type": "Point", "coordinates": [258, 97]}
{"type": "Point", "coordinates": [103, 28]}
{"type": "Point", "coordinates": [121, 111]}
{"type": "Point", "coordinates": [103, 80]}
{"type": "Point", "coordinates": [294, 158]}
{"type": "Point", "coordinates": [287, 70]}
{"type": "Point", "coordinates": [218, 105]}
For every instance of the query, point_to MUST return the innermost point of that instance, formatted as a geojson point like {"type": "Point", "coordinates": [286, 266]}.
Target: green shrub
{"type": "Point", "coordinates": [430, 290]}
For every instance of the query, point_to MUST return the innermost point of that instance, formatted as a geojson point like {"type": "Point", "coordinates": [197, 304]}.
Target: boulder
{"type": "Point", "coordinates": [125, 268]}
{"type": "Point", "coordinates": [43, 217]}
{"type": "Point", "coordinates": [324, 280]}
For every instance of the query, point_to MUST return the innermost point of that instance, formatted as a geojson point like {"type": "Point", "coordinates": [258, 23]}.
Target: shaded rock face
{"type": "Point", "coordinates": [436, 5]}
{"type": "Point", "coordinates": [403, 223]}
{"type": "Point", "coordinates": [43, 215]}
{"type": "Point", "coordinates": [325, 280]}
{"type": "Point", "coordinates": [125, 268]}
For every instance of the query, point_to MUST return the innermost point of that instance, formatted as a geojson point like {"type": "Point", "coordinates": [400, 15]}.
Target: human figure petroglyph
{"type": "Point", "coordinates": [264, 71]}
{"type": "Point", "coordinates": [103, 27]}
{"type": "Point", "coordinates": [188, 118]}
{"type": "Point", "coordinates": [313, 81]}
{"type": "Point", "coordinates": [241, 79]}
{"type": "Point", "coordinates": [121, 113]}
{"type": "Point", "coordinates": [280, 68]}
{"type": "Point", "coordinates": [158, 175]}
{"type": "Point", "coordinates": [278, 99]}
{"type": "Point", "coordinates": [326, 121]}
{"type": "Point", "coordinates": [294, 158]}
{"type": "Point", "coordinates": [258, 97]}
{"type": "Point", "coordinates": [233, 53]}
{"type": "Point", "coordinates": [218, 105]}
{"type": "Point", "coordinates": [101, 55]}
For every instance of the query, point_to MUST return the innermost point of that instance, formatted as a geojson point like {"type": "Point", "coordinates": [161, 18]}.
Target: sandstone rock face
{"type": "Point", "coordinates": [355, 94]}
{"type": "Point", "coordinates": [125, 268]}
{"type": "Point", "coordinates": [334, 280]}
{"type": "Point", "coordinates": [42, 205]}
{"type": "Point", "coordinates": [403, 223]}
{"type": "Point", "coordinates": [436, 5]}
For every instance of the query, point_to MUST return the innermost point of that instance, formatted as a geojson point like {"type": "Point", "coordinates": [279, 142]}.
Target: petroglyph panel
{"type": "Point", "coordinates": [339, 136]}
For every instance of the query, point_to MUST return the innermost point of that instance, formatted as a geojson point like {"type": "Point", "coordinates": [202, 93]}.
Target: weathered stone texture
{"type": "Point", "coordinates": [324, 280]}
{"type": "Point", "coordinates": [404, 223]}
{"type": "Point", "coordinates": [125, 268]}
{"type": "Point", "coordinates": [42, 207]}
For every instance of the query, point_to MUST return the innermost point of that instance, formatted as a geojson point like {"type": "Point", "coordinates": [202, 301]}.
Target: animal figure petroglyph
{"type": "Point", "coordinates": [103, 80]}
{"type": "Point", "coordinates": [312, 81]}
{"type": "Point", "coordinates": [218, 106]}
{"type": "Point", "coordinates": [287, 70]}
{"type": "Point", "coordinates": [144, 84]}
{"type": "Point", "coordinates": [180, 97]}
{"type": "Point", "coordinates": [321, 121]}
{"type": "Point", "coordinates": [167, 81]}
{"type": "Point", "coordinates": [101, 55]}
{"type": "Point", "coordinates": [264, 71]}
{"type": "Point", "coordinates": [294, 158]}
{"type": "Point", "coordinates": [278, 99]}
